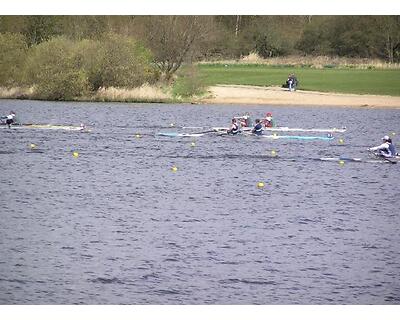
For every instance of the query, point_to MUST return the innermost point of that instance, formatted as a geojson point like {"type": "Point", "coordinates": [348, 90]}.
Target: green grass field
{"type": "Point", "coordinates": [370, 81]}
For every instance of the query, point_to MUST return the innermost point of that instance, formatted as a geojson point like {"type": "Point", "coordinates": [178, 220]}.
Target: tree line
{"type": "Point", "coordinates": [98, 51]}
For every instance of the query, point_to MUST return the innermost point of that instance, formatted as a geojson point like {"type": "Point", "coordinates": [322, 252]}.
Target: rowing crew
{"type": "Point", "coordinates": [386, 149]}
{"type": "Point", "coordinates": [235, 129]}
{"type": "Point", "coordinates": [10, 119]}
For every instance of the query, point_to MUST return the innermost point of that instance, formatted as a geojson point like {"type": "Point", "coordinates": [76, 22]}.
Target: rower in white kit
{"type": "Point", "coordinates": [386, 149]}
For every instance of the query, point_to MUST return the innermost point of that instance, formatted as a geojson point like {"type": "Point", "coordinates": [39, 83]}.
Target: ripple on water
{"type": "Point", "coordinates": [118, 218]}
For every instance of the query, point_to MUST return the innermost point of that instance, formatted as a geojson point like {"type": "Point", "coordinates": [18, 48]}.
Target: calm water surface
{"type": "Point", "coordinates": [117, 226]}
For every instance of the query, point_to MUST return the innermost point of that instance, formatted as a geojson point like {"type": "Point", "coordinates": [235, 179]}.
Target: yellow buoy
{"type": "Point", "coordinates": [273, 153]}
{"type": "Point", "coordinates": [75, 154]}
{"type": "Point", "coordinates": [341, 163]}
{"type": "Point", "coordinates": [174, 169]}
{"type": "Point", "coordinates": [260, 185]}
{"type": "Point", "coordinates": [193, 144]}
{"type": "Point", "coordinates": [341, 141]}
{"type": "Point", "coordinates": [393, 134]}
{"type": "Point", "coordinates": [172, 125]}
{"type": "Point", "coordinates": [137, 135]}
{"type": "Point", "coordinates": [33, 146]}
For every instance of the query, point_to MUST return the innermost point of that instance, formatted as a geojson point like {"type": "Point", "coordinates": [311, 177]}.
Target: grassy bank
{"type": "Point", "coordinates": [365, 81]}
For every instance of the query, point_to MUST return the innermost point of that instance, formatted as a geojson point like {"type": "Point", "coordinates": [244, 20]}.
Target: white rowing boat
{"type": "Point", "coordinates": [339, 159]}
{"type": "Point", "coordinates": [177, 134]}
{"type": "Point", "coordinates": [287, 129]}
{"type": "Point", "coordinates": [376, 160]}
{"type": "Point", "coordinates": [48, 127]}
{"type": "Point", "coordinates": [220, 133]}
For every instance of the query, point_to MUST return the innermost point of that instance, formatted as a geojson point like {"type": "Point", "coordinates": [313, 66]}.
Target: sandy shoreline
{"type": "Point", "coordinates": [240, 94]}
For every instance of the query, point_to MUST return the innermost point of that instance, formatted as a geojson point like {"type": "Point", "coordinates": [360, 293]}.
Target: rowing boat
{"type": "Point", "coordinates": [377, 160]}
{"type": "Point", "coordinates": [298, 137]}
{"type": "Point", "coordinates": [220, 133]}
{"type": "Point", "coordinates": [177, 134]}
{"type": "Point", "coordinates": [338, 159]}
{"type": "Point", "coordinates": [287, 129]}
{"type": "Point", "coordinates": [48, 127]}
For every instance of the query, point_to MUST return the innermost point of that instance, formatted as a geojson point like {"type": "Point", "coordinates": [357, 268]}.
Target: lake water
{"type": "Point", "coordinates": [117, 226]}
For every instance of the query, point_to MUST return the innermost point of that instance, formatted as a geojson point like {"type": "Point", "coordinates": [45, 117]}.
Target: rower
{"type": "Point", "coordinates": [257, 128]}
{"type": "Point", "coordinates": [10, 119]}
{"type": "Point", "coordinates": [234, 128]}
{"type": "Point", "coordinates": [269, 121]}
{"type": "Point", "coordinates": [245, 120]}
{"type": "Point", "coordinates": [386, 149]}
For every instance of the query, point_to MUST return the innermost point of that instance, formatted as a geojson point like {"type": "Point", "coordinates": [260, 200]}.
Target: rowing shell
{"type": "Point", "coordinates": [338, 159]}
{"type": "Point", "coordinates": [377, 160]}
{"type": "Point", "coordinates": [275, 136]}
{"type": "Point", "coordinates": [297, 137]}
{"type": "Point", "coordinates": [50, 127]}
{"type": "Point", "coordinates": [287, 129]}
{"type": "Point", "coordinates": [176, 134]}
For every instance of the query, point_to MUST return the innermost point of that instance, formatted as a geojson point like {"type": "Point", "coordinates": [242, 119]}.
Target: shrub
{"type": "Point", "coordinates": [53, 69]}
{"type": "Point", "coordinates": [89, 57]}
{"type": "Point", "coordinates": [13, 49]}
{"type": "Point", "coordinates": [126, 63]}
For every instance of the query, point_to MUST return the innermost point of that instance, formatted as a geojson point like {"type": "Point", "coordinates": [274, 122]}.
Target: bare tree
{"type": "Point", "coordinates": [390, 30]}
{"type": "Point", "coordinates": [174, 39]}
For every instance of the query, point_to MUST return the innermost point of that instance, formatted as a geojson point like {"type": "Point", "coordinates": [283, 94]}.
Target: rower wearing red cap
{"type": "Point", "coordinates": [269, 122]}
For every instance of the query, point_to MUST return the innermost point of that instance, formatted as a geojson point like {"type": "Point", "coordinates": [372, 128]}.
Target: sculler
{"type": "Point", "coordinates": [10, 119]}
{"type": "Point", "coordinates": [234, 128]}
{"type": "Point", "coordinates": [269, 122]}
{"type": "Point", "coordinates": [386, 149]}
{"type": "Point", "coordinates": [245, 120]}
{"type": "Point", "coordinates": [257, 128]}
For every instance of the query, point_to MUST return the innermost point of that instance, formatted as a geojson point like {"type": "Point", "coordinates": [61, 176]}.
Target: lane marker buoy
{"type": "Point", "coordinates": [174, 169]}
{"type": "Point", "coordinates": [75, 154]}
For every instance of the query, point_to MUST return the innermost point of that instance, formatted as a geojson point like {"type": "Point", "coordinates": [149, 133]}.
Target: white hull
{"type": "Point", "coordinates": [287, 129]}
{"type": "Point", "coordinates": [48, 127]}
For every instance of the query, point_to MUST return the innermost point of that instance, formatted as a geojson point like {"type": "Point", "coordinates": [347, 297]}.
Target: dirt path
{"type": "Point", "coordinates": [239, 94]}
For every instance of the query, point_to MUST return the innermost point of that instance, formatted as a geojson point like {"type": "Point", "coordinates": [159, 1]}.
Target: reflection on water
{"type": "Point", "coordinates": [115, 225]}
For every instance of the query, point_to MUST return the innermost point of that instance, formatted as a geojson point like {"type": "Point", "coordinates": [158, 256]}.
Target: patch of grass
{"type": "Point", "coordinates": [357, 81]}
{"type": "Point", "coordinates": [188, 84]}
